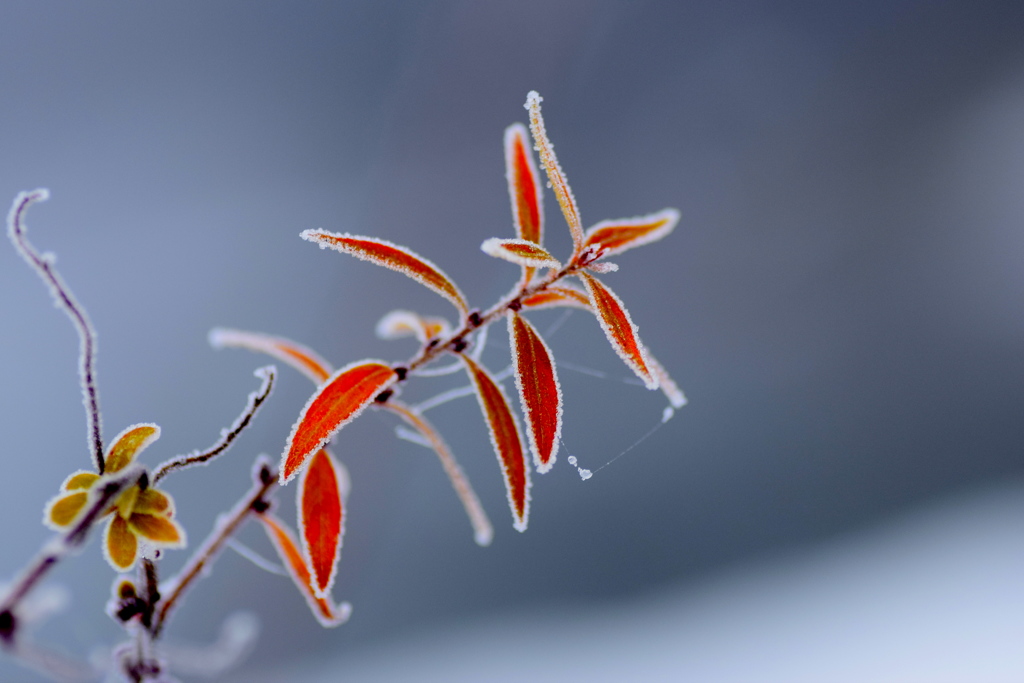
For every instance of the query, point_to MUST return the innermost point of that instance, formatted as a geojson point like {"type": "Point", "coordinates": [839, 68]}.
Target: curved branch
{"type": "Point", "coordinates": [228, 436]}
{"type": "Point", "coordinates": [43, 264]}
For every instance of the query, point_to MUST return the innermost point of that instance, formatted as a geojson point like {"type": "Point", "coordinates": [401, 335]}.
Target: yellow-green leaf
{"type": "Point", "coordinates": [62, 511]}
{"type": "Point", "coordinates": [157, 529]}
{"type": "Point", "coordinates": [80, 480]}
{"type": "Point", "coordinates": [154, 502]}
{"type": "Point", "coordinates": [128, 444]}
{"type": "Point", "coordinates": [120, 544]}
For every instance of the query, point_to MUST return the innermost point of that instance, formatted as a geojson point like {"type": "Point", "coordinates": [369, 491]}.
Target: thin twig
{"type": "Point", "coordinates": [266, 479]}
{"type": "Point", "coordinates": [228, 436]}
{"type": "Point", "coordinates": [43, 264]}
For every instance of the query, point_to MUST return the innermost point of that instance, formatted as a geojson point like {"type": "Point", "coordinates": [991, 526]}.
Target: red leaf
{"type": "Point", "coordinates": [325, 611]}
{"type": "Point", "coordinates": [506, 439]}
{"type": "Point", "coordinates": [554, 296]}
{"type": "Point", "coordinates": [523, 185]}
{"type": "Point", "coordinates": [614, 237]}
{"type": "Point", "coordinates": [321, 520]}
{"type": "Point", "coordinates": [523, 252]}
{"type": "Point", "coordinates": [303, 359]}
{"type": "Point", "coordinates": [336, 402]}
{"type": "Point", "coordinates": [539, 391]}
{"type": "Point", "coordinates": [619, 328]}
{"type": "Point", "coordinates": [392, 256]}
{"type": "Point", "coordinates": [559, 184]}
{"type": "Point", "coordinates": [483, 532]}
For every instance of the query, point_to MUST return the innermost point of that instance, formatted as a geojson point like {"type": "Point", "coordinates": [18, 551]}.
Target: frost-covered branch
{"type": "Point", "coordinates": [255, 501]}
{"type": "Point", "coordinates": [43, 264]}
{"type": "Point", "coordinates": [229, 435]}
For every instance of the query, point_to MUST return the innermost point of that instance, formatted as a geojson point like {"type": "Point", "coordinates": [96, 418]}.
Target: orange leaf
{"type": "Point", "coordinates": [506, 439]}
{"type": "Point", "coordinates": [554, 296]}
{"type": "Point", "coordinates": [335, 403]}
{"type": "Point", "coordinates": [523, 185]}
{"type": "Point", "coordinates": [522, 252]}
{"type": "Point", "coordinates": [560, 186]}
{"type": "Point", "coordinates": [392, 256]}
{"type": "Point", "coordinates": [483, 532]}
{"type": "Point", "coordinates": [619, 328]}
{"type": "Point", "coordinates": [128, 444]}
{"type": "Point", "coordinates": [539, 390]}
{"type": "Point", "coordinates": [397, 324]}
{"type": "Point", "coordinates": [321, 520]}
{"type": "Point", "coordinates": [325, 611]}
{"type": "Point", "coordinates": [614, 237]}
{"type": "Point", "coordinates": [303, 359]}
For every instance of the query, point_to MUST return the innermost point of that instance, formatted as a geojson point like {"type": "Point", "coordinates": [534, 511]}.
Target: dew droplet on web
{"type": "Point", "coordinates": [584, 474]}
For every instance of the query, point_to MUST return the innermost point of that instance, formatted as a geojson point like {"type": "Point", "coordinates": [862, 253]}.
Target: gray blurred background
{"type": "Point", "coordinates": [841, 301]}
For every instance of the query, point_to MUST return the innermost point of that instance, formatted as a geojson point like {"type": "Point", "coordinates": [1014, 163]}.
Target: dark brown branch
{"type": "Point", "coordinates": [229, 435]}
{"type": "Point", "coordinates": [43, 264]}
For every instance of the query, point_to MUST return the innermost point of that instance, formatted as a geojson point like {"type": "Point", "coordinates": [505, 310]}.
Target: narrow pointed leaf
{"type": "Point", "coordinates": [557, 296]}
{"type": "Point", "coordinates": [128, 444]}
{"type": "Point", "coordinates": [559, 184]}
{"type": "Point", "coordinates": [483, 532]}
{"type": "Point", "coordinates": [522, 252]}
{"type": "Point", "coordinates": [158, 530]}
{"type": "Point", "coordinates": [336, 402]}
{"type": "Point", "coordinates": [398, 324]}
{"type": "Point", "coordinates": [524, 187]}
{"type": "Point", "coordinates": [62, 511]}
{"type": "Point", "coordinates": [392, 256]}
{"type": "Point", "coordinates": [321, 520]}
{"type": "Point", "coordinates": [506, 439]}
{"type": "Point", "coordinates": [300, 357]}
{"type": "Point", "coordinates": [539, 391]}
{"type": "Point", "coordinates": [325, 611]}
{"type": "Point", "coordinates": [614, 237]}
{"type": "Point", "coordinates": [119, 544]}
{"type": "Point", "coordinates": [619, 328]}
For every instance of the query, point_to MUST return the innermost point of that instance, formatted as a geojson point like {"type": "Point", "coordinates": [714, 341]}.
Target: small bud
{"type": "Point", "coordinates": [126, 590]}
